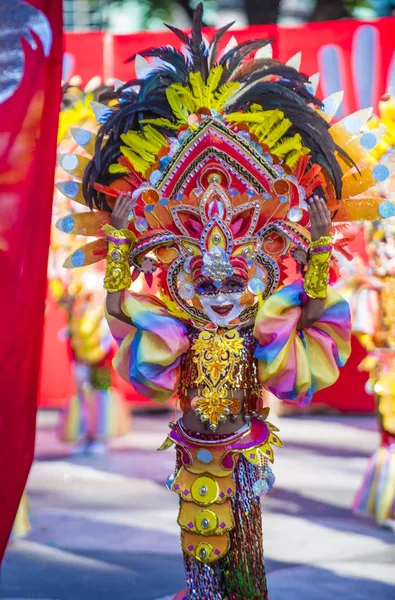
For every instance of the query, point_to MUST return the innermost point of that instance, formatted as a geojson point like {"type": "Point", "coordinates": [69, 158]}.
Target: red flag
{"type": "Point", "coordinates": [30, 89]}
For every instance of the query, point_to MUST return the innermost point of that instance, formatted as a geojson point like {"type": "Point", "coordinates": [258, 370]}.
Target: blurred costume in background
{"type": "Point", "coordinates": [369, 286]}
{"type": "Point", "coordinates": [97, 412]}
{"type": "Point", "coordinates": [21, 524]}
{"type": "Point", "coordinates": [220, 152]}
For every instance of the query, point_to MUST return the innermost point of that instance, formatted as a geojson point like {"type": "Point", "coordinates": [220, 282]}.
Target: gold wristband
{"type": "Point", "coordinates": [118, 276]}
{"type": "Point", "coordinates": [317, 275]}
{"type": "Point", "coordinates": [324, 240]}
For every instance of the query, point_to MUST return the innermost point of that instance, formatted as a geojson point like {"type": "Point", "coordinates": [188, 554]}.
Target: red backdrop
{"type": "Point", "coordinates": [28, 126]}
{"type": "Point", "coordinates": [356, 56]}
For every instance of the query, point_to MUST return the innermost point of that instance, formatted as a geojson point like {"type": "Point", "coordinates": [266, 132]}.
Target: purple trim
{"type": "Point", "coordinates": [118, 240]}
{"type": "Point", "coordinates": [321, 249]}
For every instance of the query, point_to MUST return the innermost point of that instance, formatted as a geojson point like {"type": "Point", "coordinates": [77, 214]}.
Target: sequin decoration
{"type": "Point", "coordinates": [186, 291]}
{"type": "Point", "coordinates": [295, 214]}
{"type": "Point", "coordinates": [69, 162]}
{"type": "Point", "coordinates": [141, 224]}
{"type": "Point", "coordinates": [380, 172]}
{"type": "Point", "coordinates": [71, 189]}
{"type": "Point", "coordinates": [256, 286]}
{"type": "Point", "coordinates": [66, 224]}
{"type": "Point", "coordinates": [155, 177]}
{"type": "Point", "coordinates": [243, 566]}
{"type": "Point", "coordinates": [386, 209]}
{"type": "Point", "coordinates": [260, 488]}
{"type": "Point", "coordinates": [18, 21]}
{"type": "Point", "coordinates": [77, 258]}
{"type": "Point", "coordinates": [82, 136]}
{"type": "Point", "coordinates": [169, 480]}
{"type": "Point", "coordinates": [216, 264]}
{"type": "Point", "coordinates": [368, 141]}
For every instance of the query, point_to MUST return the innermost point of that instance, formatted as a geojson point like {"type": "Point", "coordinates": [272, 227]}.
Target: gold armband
{"type": "Point", "coordinates": [317, 275]}
{"type": "Point", "coordinates": [120, 241]}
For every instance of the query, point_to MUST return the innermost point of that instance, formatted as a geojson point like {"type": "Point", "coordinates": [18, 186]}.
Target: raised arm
{"type": "Point", "coordinates": [120, 240]}
{"type": "Point", "coordinates": [317, 274]}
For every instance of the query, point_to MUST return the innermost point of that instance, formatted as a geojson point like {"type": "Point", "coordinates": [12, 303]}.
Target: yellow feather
{"type": "Point", "coordinates": [277, 132]}
{"type": "Point", "coordinates": [224, 94]}
{"type": "Point", "coordinates": [197, 85]}
{"type": "Point", "coordinates": [287, 145]}
{"type": "Point", "coordinates": [136, 141]}
{"type": "Point", "coordinates": [176, 105]}
{"type": "Point", "coordinates": [139, 164]}
{"type": "Point", "coordinates": [155, 136]}
{"type": "Point", "coordinates": [161, 123]}
{"type": "Point", "coordinates": [273, 120]}
{"type": "Point", "coordinates": [186, 97]}
{"type": "Point", "coordinates": [212, 84]}
{"type": "Point", "coordinates": [116, 168]}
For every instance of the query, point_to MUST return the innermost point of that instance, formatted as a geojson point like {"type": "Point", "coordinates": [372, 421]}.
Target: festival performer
{"type": "Point", "coordinates": [213, 174]}
{"type": "Point", "coordinates": [369, 286]}
{"type": "Point", "coordinates": [97, 412]}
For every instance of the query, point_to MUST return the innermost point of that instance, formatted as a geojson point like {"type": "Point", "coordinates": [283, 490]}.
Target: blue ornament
{"type": "Point", "coordinates": [204, 456]}
{"type": "Point", "coordinates": [141, 224]}
{"type": "Point", "coordinates": [169, 480]}
{"type": "Point", "coordinates": [245, 135]}
{"type": "Point", "coordinates": [256, 286]}
{"type": "Point", "coordinates": [164, 162]}
{"type": "Point", "coordinates": [368, 141]}
{"type": "Point", "coordinates": [155, 177]}
{"type": "Point", "coordinates": [82, 136]}
{"type": "Point", "coordinates": [184, 135]}
{"type": "Point", "coordinates": [78, 258]}
{"type": "Point", "coordinates": [380, 172]}
{"type": "Point", "coordinates": [386, 209]}
{"type": "Point", "coordinates": [260, 488]}
{"type": "Point", "coordinates": [67, 224]}
{"type": "Point", "coordinates": [71, 189]}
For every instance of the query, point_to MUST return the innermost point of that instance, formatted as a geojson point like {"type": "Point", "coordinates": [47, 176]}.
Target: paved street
{"type": "Point", "coordinates": [105, 527]}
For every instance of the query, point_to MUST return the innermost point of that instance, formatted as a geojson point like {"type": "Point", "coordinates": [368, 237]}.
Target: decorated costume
{"type": "Point", "coordinates": [96, 412]}
{"type": "Point", "coordinates": [220, 154]}
{"type": "Point", "coordinates": [369, 286]}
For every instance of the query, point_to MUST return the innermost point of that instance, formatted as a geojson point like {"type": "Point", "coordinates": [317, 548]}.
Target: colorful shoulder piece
{"type": "Point", "coordinates": [294, 364]}
{"type": "Point", "coordinates": [150, 350]}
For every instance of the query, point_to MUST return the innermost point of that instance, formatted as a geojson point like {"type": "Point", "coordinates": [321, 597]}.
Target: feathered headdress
{"type": "Point", "coordinates": [220, 153]}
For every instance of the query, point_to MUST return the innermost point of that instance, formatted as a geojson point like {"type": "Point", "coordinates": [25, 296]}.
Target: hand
{"type": "Point", "coordinates": [121, 211]}
{"type": "Point", "coordinates": [320, 218]}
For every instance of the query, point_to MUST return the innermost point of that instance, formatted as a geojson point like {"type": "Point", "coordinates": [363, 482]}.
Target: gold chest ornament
{"type": "Point", "coordinates": [217, 358]}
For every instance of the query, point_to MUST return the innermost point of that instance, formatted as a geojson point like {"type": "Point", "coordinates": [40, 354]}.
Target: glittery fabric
{"type": "Point", "coordinates": [240, 575]}
{"type": "Point", "coordinates": [19, 21]}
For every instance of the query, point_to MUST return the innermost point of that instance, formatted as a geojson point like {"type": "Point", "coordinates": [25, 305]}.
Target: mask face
{"type": "Point", "coordinates": [221, 304]}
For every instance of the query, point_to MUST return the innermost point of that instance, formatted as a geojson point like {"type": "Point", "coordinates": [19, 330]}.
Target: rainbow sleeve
{"type": "Point", "coordinates": [151, 348]}
{"type": "Point", "coordinates": [293, 364]}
